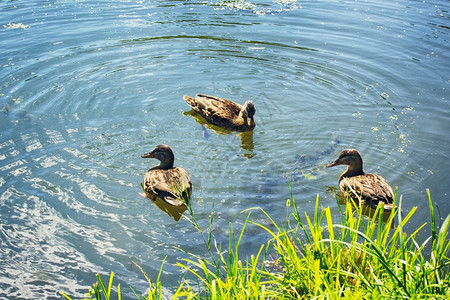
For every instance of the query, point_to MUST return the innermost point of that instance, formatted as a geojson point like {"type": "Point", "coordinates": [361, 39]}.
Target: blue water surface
{"type": "Point", "coordinates": [86, 87]}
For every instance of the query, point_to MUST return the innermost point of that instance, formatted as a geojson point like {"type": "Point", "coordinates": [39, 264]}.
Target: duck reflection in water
{"type": "Point", "coordinates": [167, 186]}
{"type": "Point", "coordinates": [224, 117]}
{"type": "Point", "coordinates": [365, 189]}
{"type": "Point", "coordinates": [246, 137]}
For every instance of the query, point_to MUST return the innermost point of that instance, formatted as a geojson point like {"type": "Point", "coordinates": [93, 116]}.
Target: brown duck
{"type": "Point", "coordinates": [223, 112]}
{"type": "Point", "coordinates": [359, 185]}
{"type": "Point", "coordinates": [165, 182]}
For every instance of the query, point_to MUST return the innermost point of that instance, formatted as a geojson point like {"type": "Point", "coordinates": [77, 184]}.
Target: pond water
{"type": "Point", "coordinates": [86, 87]}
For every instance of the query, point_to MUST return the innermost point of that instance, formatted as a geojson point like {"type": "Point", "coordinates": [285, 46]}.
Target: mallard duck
{"type": "Point", "coordinates": [223, 112]}
{"type": "Point", "coordinates": [166, 182]}
{"type": "Point", "coordinates": [359, 185]}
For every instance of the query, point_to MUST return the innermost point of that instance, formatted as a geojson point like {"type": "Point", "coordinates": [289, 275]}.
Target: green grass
{"type": "Point", "coordinates": [314, 257]}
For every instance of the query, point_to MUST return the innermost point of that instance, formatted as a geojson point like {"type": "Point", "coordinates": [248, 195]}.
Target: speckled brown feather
{"type": "Point", "coordinates": [220, 112]}
{"type": "Point", "coordinates": [173, 186]}
{"type": "Point", "coordinates": [370, 188]}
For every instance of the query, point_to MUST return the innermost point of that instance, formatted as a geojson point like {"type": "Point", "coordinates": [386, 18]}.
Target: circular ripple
{"type": "Point", "coordinates": [89, 87]}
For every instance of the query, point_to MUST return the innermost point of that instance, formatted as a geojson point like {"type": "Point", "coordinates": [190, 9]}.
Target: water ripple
{"type": "Point", "coordinates": [88, 87]}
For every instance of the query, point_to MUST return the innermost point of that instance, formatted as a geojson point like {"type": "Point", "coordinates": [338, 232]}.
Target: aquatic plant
{"type": "Point", "coordinates": [314, 257]}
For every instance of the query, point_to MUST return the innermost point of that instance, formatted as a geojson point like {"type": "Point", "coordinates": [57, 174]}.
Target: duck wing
{"type": "Point", "coordinates": [172, 186]}
{"type": "Point", "coordinates": [371, 188]}
{"type": "Point", "coordinates": [216, 110]}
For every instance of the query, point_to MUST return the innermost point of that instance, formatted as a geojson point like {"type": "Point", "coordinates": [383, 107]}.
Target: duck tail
{"type": "Point", "coordinates": [189, 100]}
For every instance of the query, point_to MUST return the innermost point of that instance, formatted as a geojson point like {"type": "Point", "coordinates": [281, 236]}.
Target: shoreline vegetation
{"type": "Point", "coordinates": [313, 257]}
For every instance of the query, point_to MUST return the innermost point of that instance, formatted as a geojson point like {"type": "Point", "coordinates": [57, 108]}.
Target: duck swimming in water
{"type": "Point", "coordinates": [223, 112]}
{"type": "Point", "coordinates": [356, 184]}
{"type": "Point", "coordinates": [165, 184]}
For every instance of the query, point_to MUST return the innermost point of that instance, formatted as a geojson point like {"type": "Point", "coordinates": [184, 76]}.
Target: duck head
{"type": "Point", "coordinates": [247, 112]}
{"type": "Point", "coordinates": [164, 154]}
{"type": "Point", "coordinates": [348, 157]}
{"type": "Point", "coordinates": [352, 159]}
{"type": "Point", "coordinates": [250, 108]}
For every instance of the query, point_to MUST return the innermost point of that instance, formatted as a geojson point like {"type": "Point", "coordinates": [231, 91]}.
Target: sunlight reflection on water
{"type": "Point", "coordinates": [88, 87]}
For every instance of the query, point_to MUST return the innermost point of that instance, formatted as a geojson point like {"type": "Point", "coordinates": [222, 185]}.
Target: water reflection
{"type": "Point", "coordinates": [173, 211]}
{"type": "Point", "coordinates": [258, 8]}
{"type": "Point", "coordinates": [246, 137]}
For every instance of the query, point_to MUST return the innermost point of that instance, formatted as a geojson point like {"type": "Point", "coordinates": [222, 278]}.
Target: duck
{"type": "Point", "coordinates": [224, 113]}
{"type": "Point", "coordinates": [355, 183]}
{"type": "Point", "coordinates": [165, 183]}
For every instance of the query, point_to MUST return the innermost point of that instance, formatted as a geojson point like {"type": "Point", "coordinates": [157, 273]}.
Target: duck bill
{"type": "Point", "coordinates": [332, 164]}
{"type": "Point", "coordinates": [148, 155]}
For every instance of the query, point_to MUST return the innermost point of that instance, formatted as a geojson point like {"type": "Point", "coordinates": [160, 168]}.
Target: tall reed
{"type": "Point", "coordinates": [313, 257]}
